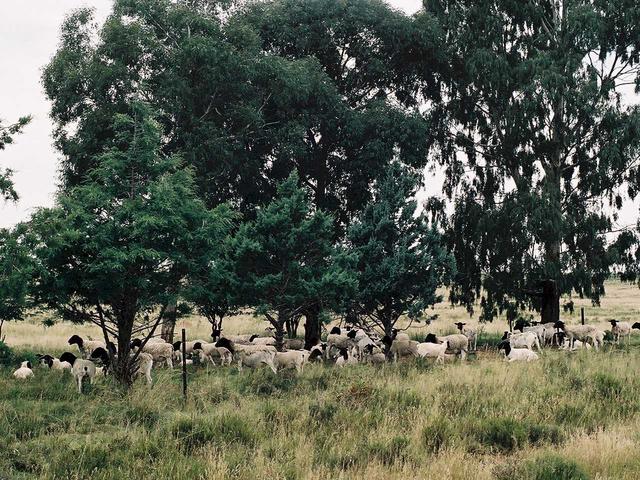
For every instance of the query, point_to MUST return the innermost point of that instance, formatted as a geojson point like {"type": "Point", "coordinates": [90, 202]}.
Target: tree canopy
{"type": "Point", "coordinates": [7, 133]}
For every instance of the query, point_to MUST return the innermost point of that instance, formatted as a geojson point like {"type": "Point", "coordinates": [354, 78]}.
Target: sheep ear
{"type": "Point", "coordinates": [29, 365]}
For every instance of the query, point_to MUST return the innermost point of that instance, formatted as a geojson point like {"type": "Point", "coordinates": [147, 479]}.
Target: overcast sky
{"type": "Point", "coordinates": [28, 40]}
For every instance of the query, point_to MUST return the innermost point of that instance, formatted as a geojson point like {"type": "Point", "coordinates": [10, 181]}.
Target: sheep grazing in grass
{"type": "Point", "coordinates": [80, 368]}
{"type": "Point", "coordinates": [162, 352]}
{"type": "Point", "coordinates": [522, 340]}
{"type": "Point", "coordinates": [362, 341]}
{"type": "Point", "coordinates": [337, 341]}
{"type": "Point", "coordinates": [583, 333]}
{"type": "Point", "coordinates": [433, 349]}
{"type": "Point", "coordinates": [458, 343]}
{"type": "Point", "coordinates": [210, 352]}
{"type": "Point", "coordinates": [257, 359]}
{"type": "Point", "coordinates": [470, 333]}
{"type": "Point", "coordinates": [347, 357]}
{"type": "Point", "coordinates": [256, 340]}
{"type": "Point", "coordinates": [517, 354]}
{"type": "Point", "coordinates": [24, 371]}
{"type": "Point", "coordinates": [291, 359]}
{"type": "Point", "coordinates": [400, 348]}
{"type": "Point", "coordinates": [85, 347]}
{"type": "Point", "coordinates": [317, 353]}
{"type": "Point", "coordinates": [539, 330]}
{"type": "Point", "coordinates": [621, 329]}
{"type": "Point", "coordinates": [53, 363]}
{"type": "Point", "coordinates": [398, 335]}
{"type": "Point", "coordinates": [142, 367]}
{"type": "Point", "coordinates": [188, 347]}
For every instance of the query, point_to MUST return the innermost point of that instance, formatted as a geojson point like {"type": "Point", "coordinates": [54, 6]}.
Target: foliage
{"type": "Point", "coordinates": [286, 258]}
{"type": "Point", "coordinates": [7, 132]}
{"type": "Point", "coordinates": [114, 248]}
{"type": "Point", "coordinates": [401, 256]}
{"type": "Point", "coordinates": [538, 146]}
{"type": "Point", "coordinates": [16, 269]}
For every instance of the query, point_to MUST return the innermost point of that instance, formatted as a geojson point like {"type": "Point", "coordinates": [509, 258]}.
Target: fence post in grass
{"type": "Point", "coordinates": [582, 314]}
{"type": "Point", "coordinates": [184, 365]}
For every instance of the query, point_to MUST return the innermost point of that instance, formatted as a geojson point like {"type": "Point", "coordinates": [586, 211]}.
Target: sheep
{"type": "Point", "coordinates": [317, 353]}
{"type": "Point", "coordinates": [470, 333]}
{"type": "Point", "coordinates": [362, 341]}
{"type": "Point", "coordinates": [458, 343]}
{"type": "Point", "coordinates": [188, 347]}
{"type": "Point", "coordinates": [336, 340]}
{"type": "Point", "coordinates": [238, 339]}
{"type": "Point", "coordinates": [294, 343]}
{"type": "Point", "coordinates": [80, 368]}
{"type": "Point", "coordinates": [160, 351]}
{"type": "Point", "coordinates": [85, 347]}
{"type": "Point", "coordinates": [517, 354]}
{"type": "Point", "coordinates": [291, 359]}
{"type": "Point", "coordinates": [398, 335]}
{"type": "Point", "coordinates": [432, 349]}
{"type": "Point", "coordinates": [24, 371]}
{"type": "Point", "coordinates": [142, 367]}
{"type": "Point", "coordinates": [53, 363]}
{"type": "Point", "coordinates": [347, 357]}
{"type": "Point", "coordinates": [539, 330]}
{"type": "Point", "coordinates": [577, 344]}
{"type": "Point", "coordinates": [256, 359]}
{"type": "Point", "coordinates": [522, 340]}
{"type": "Point", "coordinates": [256, 340]}
{"type": "Point", "coordinates": [582, 333]}
{"type": "Point", "coordinates": [209, 351]}
{"type": "Point", "coordinates": [369, 356]}
{"type": "Point", "coordinates": [620, 329]}
{"type": "Point", "coordinates": [400, 348]}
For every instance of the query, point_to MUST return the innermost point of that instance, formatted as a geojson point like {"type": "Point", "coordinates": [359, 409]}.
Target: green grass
{"type": "Point", "coordinates": [480, 419]}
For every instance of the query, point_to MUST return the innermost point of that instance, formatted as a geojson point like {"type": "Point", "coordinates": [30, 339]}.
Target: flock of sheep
{"type": "Point", "coordinates": [354, 346]}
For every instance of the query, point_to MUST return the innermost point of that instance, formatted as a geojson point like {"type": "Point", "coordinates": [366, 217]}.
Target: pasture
{"type": "Point", "coordinates": [568, 416]}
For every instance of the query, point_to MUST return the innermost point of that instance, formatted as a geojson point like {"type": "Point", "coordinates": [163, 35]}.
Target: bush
{"type": "Point", "coordinates": [391, 451]}
{"type": "Point", "coordinates": [7, 357]}
{"type": "Point", "coordinates": [192, 433]}
{"type": "Point", "coordinates": [503, 434]}
{"type": "Point", "coordinates": [554, 467]}
{"type": "Point", "coordinates": [437, 435]}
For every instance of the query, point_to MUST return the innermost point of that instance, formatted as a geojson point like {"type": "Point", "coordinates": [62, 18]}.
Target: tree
{"type": "Point", "coordinates": [538, 146]}
{"type": "Point", "coordinates": [6, 137]}
{"type": "Point", "coordinates": [402, 258]}
{"type": "Point", "coordinates": [286, 259]}
{"type": "Point", "coordinates": [113, 250]}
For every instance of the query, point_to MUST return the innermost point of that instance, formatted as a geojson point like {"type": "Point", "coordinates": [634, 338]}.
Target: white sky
{"type": "Point", "coordinates": [28, 40]}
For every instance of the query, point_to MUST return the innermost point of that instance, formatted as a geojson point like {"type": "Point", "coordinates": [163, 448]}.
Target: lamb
{"type": "Point", "coordinates": [291, 359]}
{"type": "Point", "coordinates": [209, 351]}
{"type": "Point", "coordinates": [80, 368]}
{"type": "Point", "coordinates": [256, 340]}
{"type": "Point", "coordinates": [582, 333]}
{"type": "Point", "coordinates": [470, 333]}
{"type": "Point", "coordinates": [620, 329]}
{"type": "Point", "coordinates": [256, 359]}
{"type": "Point", "coordinates": [577, 344]}
{"type": "Point", "coordinates": [458, 343]}
{"type": "Point", "coordinates": [431, 349]}
{"type": "Point", "coordinates": [400, 348]}
{"type": "Point", "coordinates": [143, 363]}
{"type": "Point", "coordinates": [160, 351]}
{"type": "Point", "coordinates": [369, 356]}
{"type": "Point", "coordinates": [54, 363]}
{"type": "Point", "coordinates": [24, 371]}
{"type": "Point", "coordinates": [517, 354]}
{"type": "Point", "coordinates": [85, 347]}
{"type": "Point", "coordinates": [522, 340]}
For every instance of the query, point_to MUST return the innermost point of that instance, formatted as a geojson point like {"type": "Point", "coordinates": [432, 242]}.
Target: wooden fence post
{"type": "Point", "coordinates": [184, 365]}
{"type": "Point", "coordinates": [582, 314]}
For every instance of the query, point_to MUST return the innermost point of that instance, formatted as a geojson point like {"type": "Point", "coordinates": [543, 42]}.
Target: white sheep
{"type": "Point", "coordinates": [337, 341]}
{"type": "Point", "coordinates": [458, 343]}
{"type": "Point", "coordinates": [291, 359]}
{"type": "Point", "coordinates": [53, 363]}
{"type": "Point", "coordinates": [209, 351]}
{"type": "Point", "coordinates": [470, 333]}
{"type": "Point", "coordinates": [256, 340]}
{"type": "Point", "coordinates": [363, 341]}
{"type": "Point", "coordinates": [433, 350]}
{"type": "Point", "coordinates": [400, 348]}
{"type": "Point", "coordinates": [142, 366]}
{"type": "Point", "coordinates": [582, 333]}
{"type": "Point", "coordinates": [294, 343]}
{"type": "Point", "coordinates": [577, 345]}
{"type": "Point", "coordinates": [539, 330]}
{"type": "Point", "coordinates": [188, 347]}
{"type": "Point", "coordinates": [24, 371]}
{"type": "Point", "coordinates": [517, 354]}
{"type": "Point", "coordinates": [398, 335]}
{"type": "Point", "coordinates": [256, 359]}
{"type": "Point", "coordinates": [85, 347]}
{"type": "Point", "coordinates": [620, 329]}
{"type": "Point", "coordinates": [80, 368]}
{"type": "Point", "coordinates": [347, 357]}
{"type": "Point", "coordinates": [522, 340]}
{"type": "Point", "coordinates": [160, 351]}
{"type": "Point", "coordinates": [370, 355]}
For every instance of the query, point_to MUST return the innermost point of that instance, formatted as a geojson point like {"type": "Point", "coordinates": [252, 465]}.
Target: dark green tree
{"type": "Point", "coordinates": [113, 250]}
{"type": "Point", "coordinates": [538, 145]}
{"type": "Point", "coordinates": [402, 258]}
{"type": "Point", "coordinates": [286, 259]}
{"type": "Point", "coordinates": [7, 132]}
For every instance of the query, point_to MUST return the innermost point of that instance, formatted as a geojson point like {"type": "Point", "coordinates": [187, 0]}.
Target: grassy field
{"type": "Point", "coordinates": [568, 416]}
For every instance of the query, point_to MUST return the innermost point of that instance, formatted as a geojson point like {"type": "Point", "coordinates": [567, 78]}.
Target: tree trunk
{"type": "Point", "coordinates": [312, 327]}
{"type": "Point", "coordinates": [550, 311]}
{"type": "Point", "coordinates": [279, 325]}
{"type": "Point", "coordinates": [169, 322]}
{"type": "Point", "coordinates": [122, 369]}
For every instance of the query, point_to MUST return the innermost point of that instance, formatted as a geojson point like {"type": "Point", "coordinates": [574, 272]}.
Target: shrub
{"type": "Point", "coordinates": [195, 432]}
{"type": "Point", "coordinates": [437, 434]}
{"type": "Point", "coordinates": [553, 467]}
{"type": "Point", "coordinates": [7, 357]}
{"type": "Point", "coordinates": [503, 434]}
{"type": "Point", "coordinates": [391, 451]}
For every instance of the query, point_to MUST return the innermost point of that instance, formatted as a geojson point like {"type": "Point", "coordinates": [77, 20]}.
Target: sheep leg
{"type": "Point", "coordinates": [79, 385]}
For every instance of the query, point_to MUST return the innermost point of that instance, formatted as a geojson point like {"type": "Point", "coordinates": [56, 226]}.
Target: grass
{"type": "Point", "coordinates": [569, 416]}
